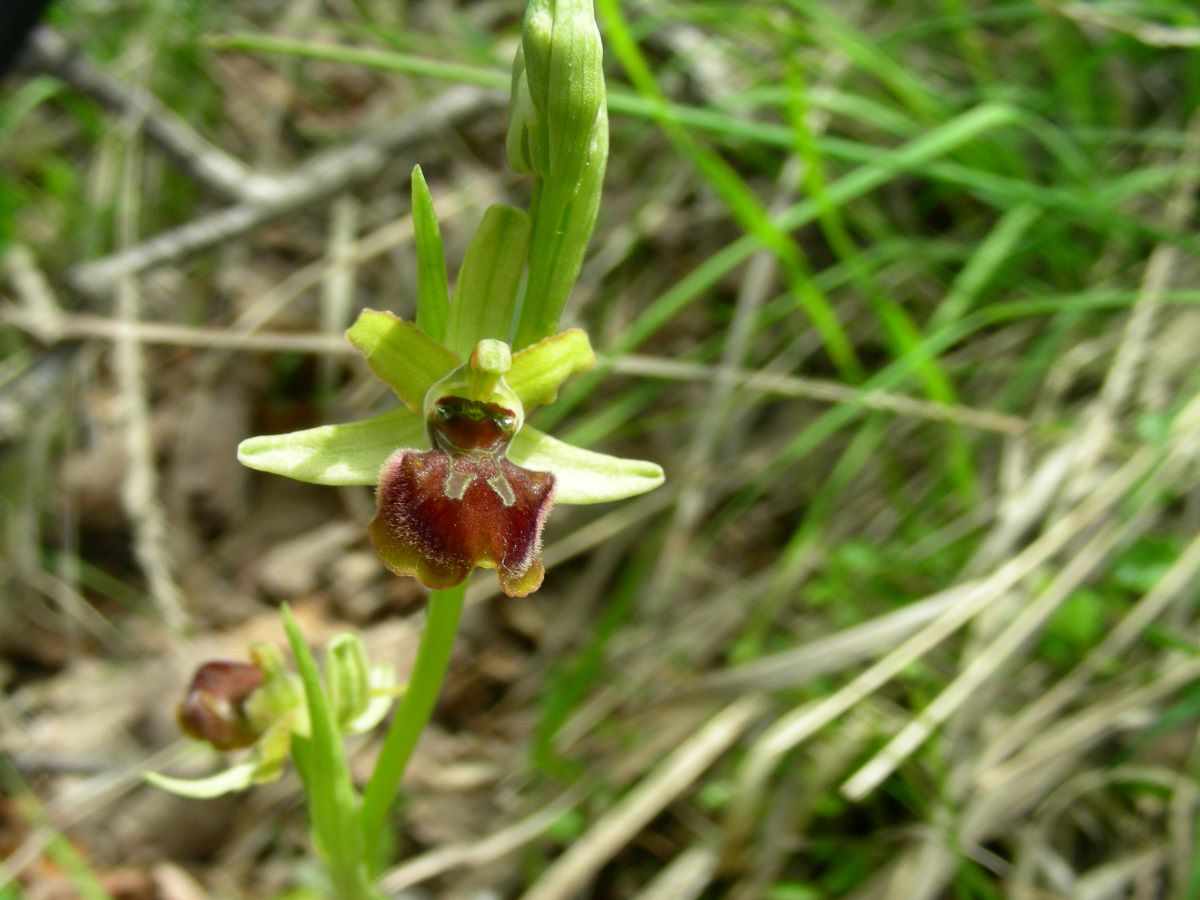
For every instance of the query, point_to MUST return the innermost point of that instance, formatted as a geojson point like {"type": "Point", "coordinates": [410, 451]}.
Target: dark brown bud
{"type": "Point", "coordinates": [214, 709]}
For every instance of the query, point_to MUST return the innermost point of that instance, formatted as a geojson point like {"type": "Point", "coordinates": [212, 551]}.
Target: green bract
{"type": "Point", "coordinates": [558, 132]}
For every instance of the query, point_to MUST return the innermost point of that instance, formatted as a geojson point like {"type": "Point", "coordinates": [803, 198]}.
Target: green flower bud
{"type": "Point", "coordinates": [349, 678]}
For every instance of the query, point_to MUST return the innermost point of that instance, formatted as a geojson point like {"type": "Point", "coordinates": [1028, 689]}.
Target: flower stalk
{"type": "Point", "coordinates": [424, 686]}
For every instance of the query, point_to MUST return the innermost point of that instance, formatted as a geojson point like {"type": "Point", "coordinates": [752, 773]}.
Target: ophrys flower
{"type": "Point", "coordinates": [462, 481]}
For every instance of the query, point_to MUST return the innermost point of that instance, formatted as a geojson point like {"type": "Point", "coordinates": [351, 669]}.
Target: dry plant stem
{"type": "Point", "coordinates": [1008, 791]}
{"type": "Point", "coordinates": [80, 325]}
{"type": "Point", "coordinates": [718, 408]}
{"type": "Point", "coordinates": [416, 708]}
{"type": "Point", "coordinates": [686, 878]}
{"type": "Point", "coordinates": [985, 665]}
{"type": "Point", "coordinates": [1136, 340]}
{"type": "Point", "coordinates": [1152, 34]}
{"type": "Point", "coordinates": [51, 53]}
{"type": "Point", "coordinates": [312, 182]}
{"type": "Point", "coordinates": [140, 488]}
{"type": "Point", "coordinates": [802, 722]}
{"type": "Point", "coordinates": [571, 871]}
{"type": "Point", "coordinates": [478, 853]}
{"type": "Point", "coordinates": [834, 653]}
{"type": "Point", "coordinates": [1033, 718]}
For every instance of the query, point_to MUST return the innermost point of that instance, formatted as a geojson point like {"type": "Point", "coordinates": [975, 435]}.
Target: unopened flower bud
{"type": "Point", "coordinates": [214, 709]}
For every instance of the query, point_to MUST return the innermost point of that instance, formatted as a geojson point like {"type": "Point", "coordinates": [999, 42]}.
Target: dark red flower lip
{"type": "Point", "coordinates": [442, 514]}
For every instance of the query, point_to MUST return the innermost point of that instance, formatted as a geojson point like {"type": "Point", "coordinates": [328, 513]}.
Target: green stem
{"type": "Point", "coordinates": [347, 873]}
{"type": "Point", "coordinates": [420, 696]}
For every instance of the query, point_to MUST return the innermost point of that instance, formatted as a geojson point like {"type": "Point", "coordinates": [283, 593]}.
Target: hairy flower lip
{"type": "Point", "coordinates": [440, 515]}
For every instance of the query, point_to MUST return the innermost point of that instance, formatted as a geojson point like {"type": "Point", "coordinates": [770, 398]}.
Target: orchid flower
{"type": "Point", "coordinates": [462, 480]}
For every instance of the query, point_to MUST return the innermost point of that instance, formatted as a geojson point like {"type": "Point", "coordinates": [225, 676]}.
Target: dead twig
{"type": "Point", "coordinates": [314, 181]}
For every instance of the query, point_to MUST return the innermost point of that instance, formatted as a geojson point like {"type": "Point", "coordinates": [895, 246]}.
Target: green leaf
{"type": "Point", "coordinates": [406, 358]}
{"type": "Point", "coordinates": [235, 778]}
{"type": "Point", "coordinates": [433, 295]}
{"type": "Point", "coordinates": [582, 476]}
{"type": "Point", "coordinates": [540, 369]}
{"type": "Point", "coordinates": [485, 295]}
{"type": "Point", "coordinates": [352, 453]}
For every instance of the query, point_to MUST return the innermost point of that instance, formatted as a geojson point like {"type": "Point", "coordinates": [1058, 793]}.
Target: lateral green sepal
{"type": "Point", "coordinates": [583, 476]}
{"type": "Point", "coordinates": [352, 453]}
{"type": "Point", "coordinates": [235, 778]}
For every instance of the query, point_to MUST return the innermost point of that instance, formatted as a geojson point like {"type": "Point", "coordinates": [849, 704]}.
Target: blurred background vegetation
{"type": "Point", "coordinates": [901, 294]}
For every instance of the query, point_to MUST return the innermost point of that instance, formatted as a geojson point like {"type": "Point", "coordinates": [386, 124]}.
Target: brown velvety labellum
{"type": "Point", "coordinates": [441, 515]}
{"type": "Point", "coordinates": [214, 708]}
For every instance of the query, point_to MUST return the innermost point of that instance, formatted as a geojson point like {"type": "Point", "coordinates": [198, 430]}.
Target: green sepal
{"type": "Point", "coordinates": [279, 695]}
{"type": "Point", "coordinates": [381, 677]}
{"type": "Point", "coordinates": [485, 295]}
{"type": "Point", "coordinates": [404, 357]}
{"type": "Point", "coordinates": [355, 452]}
{"type": "Point", "coordinates": [539, 370]}
{"type": "Point", "coordinates": [351, 453]}
{"type": "Point", "coordinates": [433, 295]}
{"type": "Point", "coordinates": [235, 778]}
{"type": "Point", "coordinates": [264, 764]}
{"type": "Point", "coordinates": [583, 476]}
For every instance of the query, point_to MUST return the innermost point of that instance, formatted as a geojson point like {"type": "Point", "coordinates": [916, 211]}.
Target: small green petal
{"type": "Point", "coordinates": [236, 778]}
{"type": "Point", "coordinates": [540, 369]}
{"type": "Point", "coordinates": [335, 454]}
{"type": "Point", "coordinates": [404, 357]}
{"type": "Point", "coordinates": [582, 476]}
